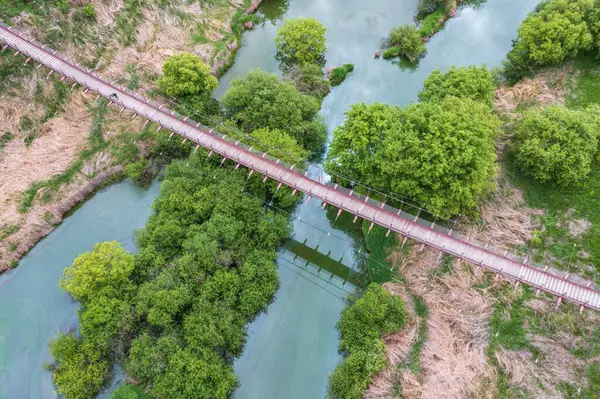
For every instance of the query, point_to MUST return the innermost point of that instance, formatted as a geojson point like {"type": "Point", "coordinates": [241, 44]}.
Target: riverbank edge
{"type": "Point", "coordinates": [82, 192]}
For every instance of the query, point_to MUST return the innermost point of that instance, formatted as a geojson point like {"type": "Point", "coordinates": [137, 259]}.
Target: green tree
{"type": "Point", "coordinates": [556, 144]}
{"type": "Point", "coordinates": [439, 153]}
{"type": "Point", "coordinates": [351, 378]}
{"type": "Point", "coordinates": [558, 29]}
{"type": "Point", "coordinates": [260, 100]}
{"type": "Point", "coordinates": [357, 142]}
{"type": "Point", "coordinates": [186, 75]}
{"type": "Point", "coordinates": [405, 41]}
{"type": "Point", "coordinates": [79, 369]}
{"type": "Point", "coordinates": [280, 145]}
{"type": "Point", "coordinates": [362, 326]}
{"type": "Point", "coordinates": [366, 320]}
{"type": "Point", "coordinates": [100, 319]}
{"type": "Point", "coordinates": [308, 79]}
{"type": "Point", "coordinates": [107, 265]}
{"type": "Point", "coordinates": [162, 300]}
{"type": "Point", "coordinates": [191, 376]}
{"type": "Point", "coordinates": [463, 82]}
{"type": "Point", "coordinates": [301, 41]}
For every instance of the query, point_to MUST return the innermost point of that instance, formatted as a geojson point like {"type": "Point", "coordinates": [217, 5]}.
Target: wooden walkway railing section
{"type": "Point", "coordinates": [565, 287]}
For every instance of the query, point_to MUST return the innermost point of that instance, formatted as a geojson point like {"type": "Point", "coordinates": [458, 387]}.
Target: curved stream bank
{"type": "Point", "coordinates": [292, 348]}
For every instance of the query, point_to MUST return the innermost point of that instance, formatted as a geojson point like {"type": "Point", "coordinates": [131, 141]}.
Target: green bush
{"type": "Point", "coordinates": [557, 30]}
{"type": "Point", "coordinates": [63, 6]}
{"type": "Point", "coordinates": [465, 82]}
{"type": "Point", "coordinates": [261, 100]}
{"type": "Point", "coordinates": [89, 11]}
{"type": "Point", "coordinates": [362, 326]}
{"type": "Point", "coordinates": [556, 144]}
{"type": "Point", "coordinates": [407, 41]}
{"type": "Point", "coordinates": [392, 52]}
{"type": "Point", "coordinates": [338, 75]}
{"type": "Point", "coordinates": [186, 75]}
{"type": "Point", "coordinates": [301, 41]}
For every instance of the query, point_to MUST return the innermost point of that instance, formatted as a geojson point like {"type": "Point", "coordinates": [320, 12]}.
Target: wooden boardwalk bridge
{"type": "Point", "coordinates": [560, 284]}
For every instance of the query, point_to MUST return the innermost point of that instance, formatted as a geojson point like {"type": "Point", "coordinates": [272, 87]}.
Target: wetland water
{"type": "Point", "coordinates": [291, 348]}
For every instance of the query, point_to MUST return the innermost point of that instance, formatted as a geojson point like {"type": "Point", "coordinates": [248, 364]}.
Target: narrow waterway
{"type": "Point", "coordinates": [292, 348]}
{"type": "Point", "coordinates": [32, 307]}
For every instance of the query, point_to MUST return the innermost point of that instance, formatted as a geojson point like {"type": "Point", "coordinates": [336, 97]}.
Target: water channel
{"type": "Point", "coordinates": [291, 348]}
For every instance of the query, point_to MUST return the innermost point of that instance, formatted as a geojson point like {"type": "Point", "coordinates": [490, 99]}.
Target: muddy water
{"type": "Point", "coordinates": [291, 348]}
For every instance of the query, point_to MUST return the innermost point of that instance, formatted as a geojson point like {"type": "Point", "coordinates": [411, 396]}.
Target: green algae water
{"type": "Point", "coordinates": [293, 346]}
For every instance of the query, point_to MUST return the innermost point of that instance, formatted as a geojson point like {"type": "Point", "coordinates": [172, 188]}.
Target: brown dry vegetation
{"type": "Point", "coordinates": [548, 87]}
{"type": "Point", "coordinates": [162, 32]}
{"type": "Point", "coordinates": [455, 360]}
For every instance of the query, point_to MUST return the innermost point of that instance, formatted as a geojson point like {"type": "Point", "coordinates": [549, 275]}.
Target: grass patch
{"type": "Point", "coordinates": [5, 139]}
{"type": "Point", "coordinates": [556, 245]}
{"type": "Point", "coordinates": [445, 267]}
{"type": "Point", "coordinates": [431, 25]}
{"type": "Point", "coordinates": [7, 231]}
{"type": "Point", "coordinates": [586, 90]}
{"type": "Point", "coordinates": [378, 247]}
{"type": "Point", "coordinates": [413, 363]}
{"type": "Point", "coordinates": [128, 20]}
{"type": "Point", "coordinates": [511, 334]}
{"type": "Point", "coordinates": [338, 75]}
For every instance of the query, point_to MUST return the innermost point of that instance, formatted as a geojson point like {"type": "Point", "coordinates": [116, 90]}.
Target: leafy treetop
{"type": "Point", "coordinates": [301, 41]}
{"type": "Point", "coordinates": [463, 82]}
{"type": "Point", "coordinates": [108, 265]}
{"type": "Point", "coordinates": [557, 144]}
{"type": "Point", "coordinates": [440, 153]}
{"type": "Point", "coordinates": [185, 75]}
{"type": "Point", "coordinates": [261, 100]}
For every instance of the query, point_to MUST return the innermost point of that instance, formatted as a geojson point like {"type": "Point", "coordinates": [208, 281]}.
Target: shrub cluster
{"type": "Point", "coordinates": [557, 30]}
{"type": "Point", "coordinates": [362, 326]}
{"type": "Point", "coordinates": [338, 74]}
{"type": "Point", "coordinates": [557, 144]}
{"type": "Point", "coordinates": [174, 314]}
{"type": "Point", "coordinates": [405, 41]}
{"type": "Point", "coordinates": [440, 152]}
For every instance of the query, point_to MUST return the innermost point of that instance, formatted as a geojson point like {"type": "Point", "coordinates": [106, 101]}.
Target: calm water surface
{"type": "Point", "coordinates": [291, 348]}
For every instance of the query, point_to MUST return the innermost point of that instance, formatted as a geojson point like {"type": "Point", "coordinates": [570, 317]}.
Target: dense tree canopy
{"type": "Point", "coordinates": [362, 326]}
{"type": "Point", "coordinates": [405, 41]}
{"type": "Point", "coordinates": [463, 82]}
{"type": "Point", "coordinates": [308, 79]}
{"type": "Point", "coordinates": [440, 153]}
{"type": "Point", "coordinates": [261, 100]}
{"type": "Point", "coordinates": [301, 41]}
{"type": "Point", "coordinates": [557, 144]}
{"type": "Point", "coordinates": [80, 369]}
{"type": "Point", "coordinates": [108, 265]}
{"type": "Point", "coordinates": [175, 313]}
{"type": "Point", "coordinates": [558, 29]}
{"type": "Point", "coordinates": [186, 75]}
